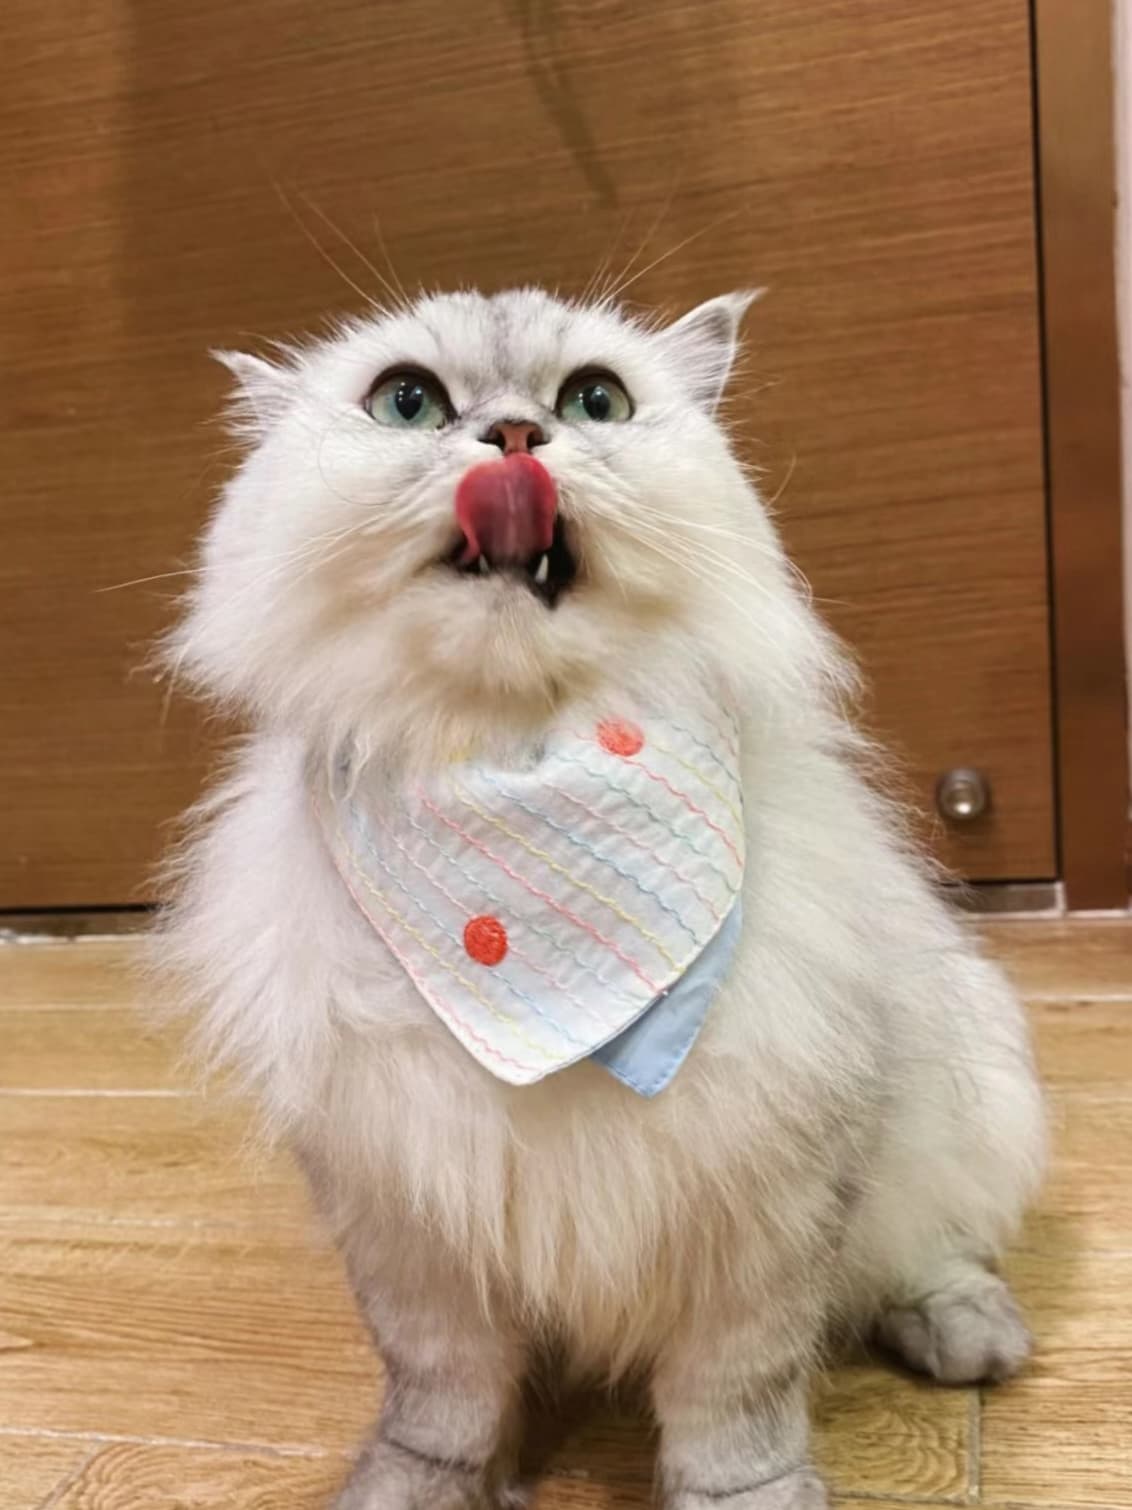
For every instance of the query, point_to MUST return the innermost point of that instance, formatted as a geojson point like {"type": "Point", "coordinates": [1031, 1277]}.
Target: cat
{"type": "Point", "coordinates": [462, 525]}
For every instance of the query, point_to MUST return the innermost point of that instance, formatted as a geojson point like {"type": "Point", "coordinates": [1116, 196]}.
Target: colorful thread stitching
{"type": "Point", "coordinates": [444, 965]}
{"type": "Point", "coordinates": [552, 864]}
{"type": "Point", "coordinates": [586, 845]}
{"type": "Point", "coordinates": [544, 896]}
{"type": "Point", "coordinates": [498, 901]}
{"type": "Point", "coordinates": [441, 1006]}
{"type": "Point", "coordinates": [644, 808]}
{"type": "Point", "coordinates": [515, 949]}
{"type": "Point", "coordinates": [652, 854]}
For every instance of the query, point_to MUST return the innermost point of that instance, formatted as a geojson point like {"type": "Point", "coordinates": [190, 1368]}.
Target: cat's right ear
{"type": "Point", "coordinates": [262, 392]}
{"type": "Point", "coordinates": [705, 340]}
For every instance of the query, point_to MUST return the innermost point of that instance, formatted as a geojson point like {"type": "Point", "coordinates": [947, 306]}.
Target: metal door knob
{"type": "Point", "coordinates": [962, 795]}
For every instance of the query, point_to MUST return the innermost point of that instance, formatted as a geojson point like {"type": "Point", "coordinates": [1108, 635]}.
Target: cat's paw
{"type": "Point", "coordinates": [965, 1333]}
{"type": "Point", "coordinates": [799, 1489]}
{"type": "Point", "coordinates": [391, 1477]}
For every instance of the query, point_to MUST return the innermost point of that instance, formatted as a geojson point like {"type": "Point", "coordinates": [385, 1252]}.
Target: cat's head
{"type": "Point", "coordinates": [467, 511]}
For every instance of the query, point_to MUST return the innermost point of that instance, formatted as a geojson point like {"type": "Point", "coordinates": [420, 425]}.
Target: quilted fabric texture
{"type": "Point", "coordinates": [541, 908]}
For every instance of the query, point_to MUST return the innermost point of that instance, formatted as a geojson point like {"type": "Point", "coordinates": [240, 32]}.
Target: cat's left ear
{"type": "Point", "coordinates": [703, 343]}
{"type": "Point", "coordinates": [262, 391]}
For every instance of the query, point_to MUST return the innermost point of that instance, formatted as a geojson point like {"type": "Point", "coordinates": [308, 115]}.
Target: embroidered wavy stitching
{"type": "Point", "coordinates": [631, 838]}
{"type": "Point", "coordinates": [498, 901]}
{"type": "Point", "coordinates": [652, 854]}
{"type": "Point", "coordinates": [445, 1009]}
{"type": "Point", "coordinates": [644, 808]}
{"type": "Point", "coordinates": [441, 961]}
{"type": "Point", "coordinates": [728, 771]}
{"type": "Point", "coordinates": [600, 858]}
{"type": "Point", "coordinates": [518, 922]}
{"type": "Point", "coordinates": [681, 1048]}
{"type": "Point", "coordinates": [700, 777]}
{"type": "Point", "coordinates": [499, 976]}
{"type": "Point", "coordinates": [552, 864]}
{"type": "Point", "coordinates": [728, 735]}
{"type": "Point", "coordinates": [685, 799]}
{"type": "Point", "coordinates": [544, 896]}
{"type": "Point", "coordinates": [733, 724]}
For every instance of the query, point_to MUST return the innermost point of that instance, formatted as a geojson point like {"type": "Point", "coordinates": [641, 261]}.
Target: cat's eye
{"type": "Point", "coordinates": [593, 398]}
{"type": "Point", "coordinates": [409, 400]}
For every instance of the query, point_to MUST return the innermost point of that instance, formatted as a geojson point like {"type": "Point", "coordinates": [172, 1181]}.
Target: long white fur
{"type": "Point", "coordinates": [859, 1119]}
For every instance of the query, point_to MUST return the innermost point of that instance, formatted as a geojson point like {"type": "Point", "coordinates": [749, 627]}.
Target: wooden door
{"type": "Point", "coordinates": [172, 166]}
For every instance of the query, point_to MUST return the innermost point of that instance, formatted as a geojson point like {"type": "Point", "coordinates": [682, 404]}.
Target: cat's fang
{"type": "Point", "coordinates": [546, 574]}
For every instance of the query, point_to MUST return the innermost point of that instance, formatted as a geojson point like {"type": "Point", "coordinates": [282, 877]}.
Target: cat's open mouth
{"type": "Point", "coordinates": [547, 575]}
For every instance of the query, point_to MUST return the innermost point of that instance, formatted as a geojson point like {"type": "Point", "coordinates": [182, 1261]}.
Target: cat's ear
{"type": "Point", "coordinates": [261, 394]}
{"type": "Point", "coordinates": [703, 343]}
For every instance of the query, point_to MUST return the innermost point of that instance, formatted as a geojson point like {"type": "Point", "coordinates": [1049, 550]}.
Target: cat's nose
{"type": "Point", "coordinates": [514, 435]}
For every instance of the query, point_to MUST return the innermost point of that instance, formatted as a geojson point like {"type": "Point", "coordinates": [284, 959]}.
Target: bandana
{"type": "Point", "coordinates": [581, 901]}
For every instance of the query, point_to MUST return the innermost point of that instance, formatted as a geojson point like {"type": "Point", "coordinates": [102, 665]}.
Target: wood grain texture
{"type": "Point", "coordinates": [173, 1160]}
{"type": "Point", "coordinates": [1075, 959]}
{"type": "Point", "coordinates": [106, 1048]}
{"type": "Point", "coordinates": [1060, 1433]}
{"type": "Point", "coordinates": [33, 1468]}
{"type": "Point", "coordinates": [881, 1434]}
{"type": "Point", "coordinates": [1076, 149]}
{"type": "Point", "coordinates": [85, 973]}
{"type": "Point", "coordinates": [872, 164]}
{"type": "Point", "coordinates": [155, 1288]}
{"type": "Point", "coordinates": [1089, 1197]}
{"type": "Point", "coordinates": [139, 1476]}
{"type": "Point", "coordinates": [1085, 1050]}
{"type": "Point", "coordinates": [194, 1335]}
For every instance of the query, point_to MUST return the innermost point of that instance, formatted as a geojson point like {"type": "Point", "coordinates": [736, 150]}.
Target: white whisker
{"type": "Point", "coordinates": [366, 299]}
{"type": "Point", "coordinates": [627, 283]}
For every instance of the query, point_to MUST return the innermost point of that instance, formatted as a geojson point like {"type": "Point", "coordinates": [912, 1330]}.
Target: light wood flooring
{"type": "Point", "coordinates": [174, 1333]}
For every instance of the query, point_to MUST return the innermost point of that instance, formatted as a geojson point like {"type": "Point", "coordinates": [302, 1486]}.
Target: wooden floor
{"type": "Point", "coordinates": [173, 1333]}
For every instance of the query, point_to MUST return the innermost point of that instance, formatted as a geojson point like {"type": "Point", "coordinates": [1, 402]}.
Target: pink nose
{"type": "Point", "coordinates": [506, 509]}
{"type": "Point", "coordinates": [514, 435]}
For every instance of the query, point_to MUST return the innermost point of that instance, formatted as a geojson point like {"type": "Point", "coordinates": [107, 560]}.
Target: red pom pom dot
{"type": "Point", "coordinates": [619, 736]}
{"type": "Point", "coordinates": [485, 939]}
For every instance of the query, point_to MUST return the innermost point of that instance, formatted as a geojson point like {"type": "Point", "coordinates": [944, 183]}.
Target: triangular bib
{"type": "Point", "coordinates": [541, 908]}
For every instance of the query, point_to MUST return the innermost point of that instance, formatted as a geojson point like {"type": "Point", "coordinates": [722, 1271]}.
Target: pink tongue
{"type": "Point", "coordinates": [506, 509]}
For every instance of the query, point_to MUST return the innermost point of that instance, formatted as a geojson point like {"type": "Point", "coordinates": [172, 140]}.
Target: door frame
{"type": "Point", "coordinates": [1075, 175]}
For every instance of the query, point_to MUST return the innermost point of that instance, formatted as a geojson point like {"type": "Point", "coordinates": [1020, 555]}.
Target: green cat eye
{"type": "Point", "coordinates": [409, 400]}
{"type": "Point", "coordinates": [595, 398]}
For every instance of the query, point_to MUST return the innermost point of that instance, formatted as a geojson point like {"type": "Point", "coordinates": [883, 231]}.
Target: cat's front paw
{"type": "Point", "coordinates": [798, 1489]}
{"type": "Point", "coordinates": [966, 1333]}
{"type": "Point", "coordinates": [392, 1477]}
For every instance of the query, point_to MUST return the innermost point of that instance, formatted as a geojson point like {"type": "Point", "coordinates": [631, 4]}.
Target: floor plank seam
{"type": "Point", "coordinates": [74, 1094]}
{"type": "Point", "coordinates": [975, 1446]}
{"type": "Point", "coordinates": [14, 1224]}
{"type": "Point", "coordinates": [1063, 1102]}
{"type": "Point", "coordinates": [68, 1481]}
{"type": "Point", "coordinates": [116, 1439]}
{"type": "Point", "coordinates": [884, 1497]}
{"type": "Point", "coordinates": [1038, 1250]}
{"type": "Point", "coordinates": [126, 1010]}
{"type": "Point", "coordinates": [1070, 999]}
{"type": "Point", "coordinates": [1053, 1505]}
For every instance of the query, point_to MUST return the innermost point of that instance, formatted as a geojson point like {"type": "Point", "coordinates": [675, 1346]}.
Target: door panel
{"type": "Point", "coordinates": [174, 167]}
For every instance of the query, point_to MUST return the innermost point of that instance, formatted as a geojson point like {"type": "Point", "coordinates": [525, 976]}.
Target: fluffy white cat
{"type": "Point", "coordinates": [857, 1128]}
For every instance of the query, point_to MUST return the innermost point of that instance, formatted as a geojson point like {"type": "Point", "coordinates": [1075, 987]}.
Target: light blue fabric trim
{"type": "Point", "coordinates": [646, 1056]}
